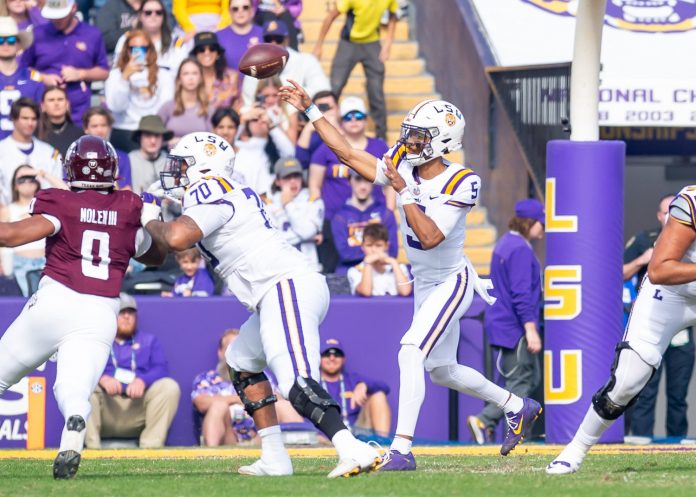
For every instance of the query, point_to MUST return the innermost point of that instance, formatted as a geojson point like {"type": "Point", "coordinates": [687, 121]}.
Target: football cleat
{"type": "Point", "coordinates": [261, 468]}
{"type": "Point", "coordinates": [67, 461]}
{"type": "Point", "coordinates": [479, 432]}
{"type": "Point", "coordinates": [365, 460]}
{"type": "Point", "coordinates": [558, 467]}
{"type": "Point", "coordinates": [520, 424]}
{"type": "Point", "coordinates": [396, 461]}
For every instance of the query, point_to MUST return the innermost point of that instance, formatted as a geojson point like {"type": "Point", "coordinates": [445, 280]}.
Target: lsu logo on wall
{"type": "Point", "coordinates": [655, 16]}
{"type": "Point", "coordinates": [569, 387]}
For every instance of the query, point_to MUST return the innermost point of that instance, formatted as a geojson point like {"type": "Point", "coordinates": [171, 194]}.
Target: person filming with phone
{"type": "Point", "coordinates": [136, 86]}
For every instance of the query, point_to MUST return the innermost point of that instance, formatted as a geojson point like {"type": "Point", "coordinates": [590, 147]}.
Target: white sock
{"type": "Point", "coordinates": [411, 388]}
{"type": "Point", "coordinates": [469, 381]}
{"type": "Point", "coordinates": [272, 446]}
{"type": "Point", "coordinates": [591, 429]}
{"type": "Point", "coordinates": [344, 441]}
{"type": "Point", "coordinates": [72, 440]}
{"type": "Point", "coordinates": [402, 445]}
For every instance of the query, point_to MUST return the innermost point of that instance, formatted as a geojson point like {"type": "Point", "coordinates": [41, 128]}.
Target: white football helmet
{"type": "Point", "coordinates": [431, 129]}
{"type": "Point", "coordinates": [194, 156]}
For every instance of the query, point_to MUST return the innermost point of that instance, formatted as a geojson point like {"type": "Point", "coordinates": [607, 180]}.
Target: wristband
{"type": "Point", "coordinates": [313, 113]}
{"type": "Point", "coordinates": [406, 197]}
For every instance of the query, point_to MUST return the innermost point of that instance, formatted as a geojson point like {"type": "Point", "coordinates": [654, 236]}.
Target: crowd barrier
{"type": "Point", "coordinates": [189, 329]}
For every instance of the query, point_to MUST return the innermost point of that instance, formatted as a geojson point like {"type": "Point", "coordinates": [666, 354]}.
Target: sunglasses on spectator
{"type": "Point", "coordinates": [26, 179]}
{"type": "Point", "coordinates": [277, 39]}
{"type": "Point", "coordinates": [148, 13]}
{"type": "Point", "coordinates": [206, 48]}
{"type": "Point", "coordinates": [324, 107]}
{"type": "Point", "coordinates": [355, 114]}
{"type": "Point", "coordinates": [10, 40]}
{"type": "Point", "coordinates": [335, 353]}
{"type": "Point", "coordinates": [243, 7]}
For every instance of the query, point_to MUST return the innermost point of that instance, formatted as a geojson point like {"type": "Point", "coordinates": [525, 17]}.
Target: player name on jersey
{"type": "Point", "coordinates": [94, 216]}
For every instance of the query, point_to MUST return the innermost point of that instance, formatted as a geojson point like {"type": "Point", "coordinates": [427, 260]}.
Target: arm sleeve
{"type": "Point", "coordinates": [117, 91]}
{"type": "Point", "coordinates": [157, 368]}
{"type": "Point", "coordinates": [285, 147]}
{"type": "Point", "coordinates": [519, 266]}
{"type": "Point", "coordinates": [181, 15]}
{"type": "Point", "coordinates": [210, 217]}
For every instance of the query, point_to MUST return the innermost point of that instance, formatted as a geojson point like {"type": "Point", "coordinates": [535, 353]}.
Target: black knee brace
{"type": "Point", "coordinates": [313, 402]}
{"type": "Point", "coordinates": [603, 405]}
{"type": "Point", "coordinates": [240, 384]}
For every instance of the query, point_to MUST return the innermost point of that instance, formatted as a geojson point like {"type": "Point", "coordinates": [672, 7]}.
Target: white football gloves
{"type": "Point", "coordinates": [152, 209]}
{"type": "Point", "coordinates": [481, 285]}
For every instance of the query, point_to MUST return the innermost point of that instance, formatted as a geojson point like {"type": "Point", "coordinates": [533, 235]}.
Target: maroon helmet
{"type": "Point", "coordinates": [91, 162]}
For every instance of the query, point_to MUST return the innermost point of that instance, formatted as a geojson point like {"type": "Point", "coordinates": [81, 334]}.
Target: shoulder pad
{"type": "Point", "coordinates": [207, 190]}
{"type": "Point", "coordinates": [457, 179]}
{"type": "Point", "coordinates": [682, 208]}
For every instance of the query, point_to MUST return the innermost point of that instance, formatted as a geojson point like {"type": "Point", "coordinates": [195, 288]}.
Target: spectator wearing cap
{"type": "Point", "coordinates": [241, 34]}
{"type": "Point", "coordinates": [196, 16]}
{"type": "Point", "coordinates": [512, 323]}
{"type": "Point", "coordinates": [25, 14]}
{"type": "Point", "coordinates": [294, 213]}
{"type": "Point", "coordinates": [359, 211]}
{"type": "Point", "coordinates": [22, 81]}
{"type": "Point", "coordinates": [134, 397]}
{"type": "Point", "coordinates": [171, 49]}
{"type": "Point", "coordinates": [301, 67]}
{"type": "Point", "coordinates": [55, 124]}
{"type": "Point", "coordinates": [136, 87]}
{"type": "Point", "coordinates": [363, 401]}
{"type": "Point", "coordinates": [286, 11]}
{"type": "Point", "coordinates": [147, 161]}
{"type": "Point", "coordinates": [68, 52]}
{"type": "Point", "coordinates": [329, 178]}
{"type": "Point", "coordinates": [221, 82]}
{"type": "Point", "coordinates": [114, 19]}
{"type": "Point", "coordinates": [360, 43]}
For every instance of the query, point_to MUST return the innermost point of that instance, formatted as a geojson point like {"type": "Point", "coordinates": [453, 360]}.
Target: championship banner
{"type": "Point", "coordinates": [582, 279]}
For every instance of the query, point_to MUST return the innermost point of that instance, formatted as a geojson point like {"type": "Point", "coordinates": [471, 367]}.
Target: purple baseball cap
{"type": "Point", "coordinates": [332, 345]}
{"type": "Point", "coordinates": [275, 28]}
{"type": "Point", "coordinates": [532, 209]}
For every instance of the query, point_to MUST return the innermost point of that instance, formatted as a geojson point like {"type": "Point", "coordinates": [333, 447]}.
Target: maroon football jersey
{"type": "Point", "coordinates": [96, 240]}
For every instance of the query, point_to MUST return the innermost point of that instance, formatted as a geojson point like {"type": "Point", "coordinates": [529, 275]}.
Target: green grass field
{"type": "Point", "coordinates": [635, 473]}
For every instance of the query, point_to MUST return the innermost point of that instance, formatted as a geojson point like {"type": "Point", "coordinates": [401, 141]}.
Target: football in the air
{"type": "Point", "coordinates": [263, 60]}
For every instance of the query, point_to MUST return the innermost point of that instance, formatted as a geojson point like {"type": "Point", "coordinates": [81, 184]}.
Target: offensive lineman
{"type": "Point", "coordinates": [276, 282]}
{"type": "Point", "coordinates": [666, 304]}
{"type": "Point", "coordinates": [91, 233]}
{"type": "Point", "coordinates": [434, 197]}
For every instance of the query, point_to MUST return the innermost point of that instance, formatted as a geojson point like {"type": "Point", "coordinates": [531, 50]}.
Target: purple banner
{"type": "Point", "coordinates": [189, 329]}
{"type": "Point", "coordinates": [582, 279]}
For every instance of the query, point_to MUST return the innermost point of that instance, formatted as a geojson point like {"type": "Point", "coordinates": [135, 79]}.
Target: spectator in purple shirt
{"type": "Point", "coordinates": [15, 81]}
{"type": "Point", "coordinates": [349, 222]}
{"type": "Point", "coordinates": [196, 280]}
{"type": "Point", "coordinates": [512, 323]}
{"type": "Point", "coordinates": [363, 401]}
{"type": "Point", "coordinates": [68, 52]}
{"type": "Point", "coordinates": [241, 34]}
{"type": "Point", "coordinates": [328, 178]}
{"type": "Point", "coordinates": [135, 397]}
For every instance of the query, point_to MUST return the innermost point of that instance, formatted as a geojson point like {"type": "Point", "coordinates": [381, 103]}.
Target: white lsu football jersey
{"type": "Point", "coordinates": [446, 199]}
{"type": "Point", "coordinates": [239, 240]}
{"type": "Point", "coordinates": [683, 210]}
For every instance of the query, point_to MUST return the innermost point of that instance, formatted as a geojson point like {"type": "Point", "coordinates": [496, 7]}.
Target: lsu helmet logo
{"type": "Point", "coordinates": [450, 119]}
{"type": "Point", "coordinates": [209, 149]}
{"type": "Point", "coordinates": [656, 16]}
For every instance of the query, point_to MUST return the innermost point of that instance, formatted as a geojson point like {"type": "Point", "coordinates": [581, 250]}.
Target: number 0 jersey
{"type": "Point", "coordinates": [683, 210]}
{"type": "Point", "coordinates": [239, 240]}
{"type": "Point", "coordinates": [446, 199]}
{"type": "Point", "coordinates": [94, 238]}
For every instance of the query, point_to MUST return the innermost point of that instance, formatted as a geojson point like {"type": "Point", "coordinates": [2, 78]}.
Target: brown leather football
{"type": "Point", "coordinates": [263, 60]}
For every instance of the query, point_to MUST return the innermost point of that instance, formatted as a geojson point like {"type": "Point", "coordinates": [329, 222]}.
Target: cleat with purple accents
{"type": "Point", "coordinates": [396, 461]}
{"type": "Point", "coordinates": [520, 424]}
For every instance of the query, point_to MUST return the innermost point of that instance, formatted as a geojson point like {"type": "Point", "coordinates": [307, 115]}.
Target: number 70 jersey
{"type": "Point", "coordinates": [239, 240]}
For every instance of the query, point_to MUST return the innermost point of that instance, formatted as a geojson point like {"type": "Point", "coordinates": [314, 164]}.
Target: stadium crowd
{"type": "Point", "coordinates": [142, 74]}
